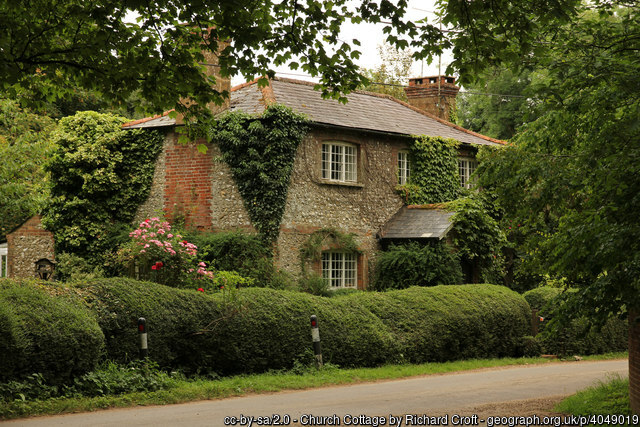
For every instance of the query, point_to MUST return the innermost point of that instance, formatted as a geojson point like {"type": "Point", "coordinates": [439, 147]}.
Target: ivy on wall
{"type": "Point", "coordinates": [311, 250]}
{"type": "Point", "coordinates": [100, 174]}
{"type": "Point", "coordinates": [434, 171]}
{"type": "Point", "coordinates": [260, 152]}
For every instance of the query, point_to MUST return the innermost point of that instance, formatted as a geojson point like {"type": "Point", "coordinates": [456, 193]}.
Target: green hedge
{"type": "Point", "coordinates": [53, 335]}
{"type": "Point", "coordinates": [452, 322]}
{"type": "Point", "coordinates": [267, 329]}
{"type": "Point", "coordinates": [579, 337]}
{"type": "Point", "coordinates": [417, 264]}
{"type": "Point", "coordinates": [253, 329]}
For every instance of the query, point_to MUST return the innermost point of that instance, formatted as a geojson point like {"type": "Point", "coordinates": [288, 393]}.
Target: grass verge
{"type": "Point", "coordinates": [606, 398]}
{"type": "Point", "coordinates": [194, 390]}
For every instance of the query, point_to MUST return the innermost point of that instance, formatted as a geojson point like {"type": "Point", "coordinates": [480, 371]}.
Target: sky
{"type": "Point", "coordinates": [369, 45]}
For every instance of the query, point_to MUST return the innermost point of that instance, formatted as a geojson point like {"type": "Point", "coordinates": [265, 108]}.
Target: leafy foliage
{"type": "Point", "coordinates": [580, 335]}
{"type": "Point", "coordinates": [311, 250]}
{"type": "Point", "coordinates": [24, 148]}
{"type": "Point", "coordinates": [500, 116]}
{"type": "Point", "coordinates": [392, 74]}
{"type": "Point", "coordinates": [434, 171]}
{"type": "Point", "coordinates": [416, 264]}
{"type": "Point", "coordinates": [55, 336]}
{"type": "Point", "coordinates": [100, 174]}
{"type": "Point", "coordinates": [260, 152]}
{"type": "Point", "coordinates": [478, 237]}
{"type": "Point", "coordinates": [244, 253]}
{"type": "Point", "coordinates": [571, 176]}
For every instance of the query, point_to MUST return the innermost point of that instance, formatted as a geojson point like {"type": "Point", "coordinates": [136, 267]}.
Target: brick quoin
{"type": "Point", "coordinates": [634, 361]}
{"type": "Point", "coordinates": [188, 184]}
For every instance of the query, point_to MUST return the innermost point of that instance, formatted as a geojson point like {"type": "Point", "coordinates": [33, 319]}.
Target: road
{"type": "Point", "coordinates": [433, 394]}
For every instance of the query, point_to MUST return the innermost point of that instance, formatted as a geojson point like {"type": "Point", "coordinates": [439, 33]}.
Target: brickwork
{"type": "Point", "coordinates": [634, 361]}
{"type": "Point", "coordinates": [26, 245]}
{"type": "Point", "coordinates": [423, 93]}
{"type": "Point", "coordinates": [187, 186]}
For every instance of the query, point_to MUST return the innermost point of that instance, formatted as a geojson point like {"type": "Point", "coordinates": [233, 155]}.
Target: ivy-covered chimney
{"type": "Point", "coordinates": [435, 95]}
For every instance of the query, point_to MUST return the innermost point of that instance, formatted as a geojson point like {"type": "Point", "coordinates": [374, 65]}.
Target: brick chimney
{"type": "Point", "coordinates": [423, 93]}
{"type": "Point", "coordinates": [211, 63]}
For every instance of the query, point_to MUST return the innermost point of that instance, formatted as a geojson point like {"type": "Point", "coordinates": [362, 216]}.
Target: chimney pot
{"type": "Point", "coordinates": [434, 94]}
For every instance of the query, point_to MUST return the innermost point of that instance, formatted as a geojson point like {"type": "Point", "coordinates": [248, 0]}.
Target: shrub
{"type": "Point", "coordinates": [267, 329]}
{"type": "Point", "coordinates": [314, 284]}
{"type": "Point", "coordinates": [41, 333]}
{"type": "Point", "coordinates": [244, 253]}
{"type": "Point", "coordinates": [416, 264]}
{"type": "Point", "coordinates": [580, 336]}
{"type": "Point", "coordinates": [451, 322]}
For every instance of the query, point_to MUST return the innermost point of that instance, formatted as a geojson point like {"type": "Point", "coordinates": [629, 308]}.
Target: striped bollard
{"type": "Point", "coordinates": [142, 333]}
{"type": "Point", "coordinates": [315, 335]}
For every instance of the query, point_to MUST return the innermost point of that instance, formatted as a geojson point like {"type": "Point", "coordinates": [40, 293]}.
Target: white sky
{"type": "Point", "coordinates": [370, 36]}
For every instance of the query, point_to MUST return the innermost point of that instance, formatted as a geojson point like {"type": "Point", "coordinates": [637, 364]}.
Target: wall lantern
{"type": "Point", "coordinates": [45, 269]}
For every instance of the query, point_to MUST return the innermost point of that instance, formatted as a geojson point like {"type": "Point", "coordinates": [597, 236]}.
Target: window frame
{"type": "Point", "coordinates": [344, 176]}
{"type": "Point", "coordinates": [345, 263]}
{"type": "Point", "coordinates": [404, 167]}
{"type": "Point", "coordinates": [466, 167]}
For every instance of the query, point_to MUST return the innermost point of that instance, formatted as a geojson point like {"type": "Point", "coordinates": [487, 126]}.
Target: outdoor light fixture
{"type": "Point", "coordinates": [44, 269]}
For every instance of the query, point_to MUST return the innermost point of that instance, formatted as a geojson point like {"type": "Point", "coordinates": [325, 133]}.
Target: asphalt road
{"type": "Point", "coordinates": [433, 394]}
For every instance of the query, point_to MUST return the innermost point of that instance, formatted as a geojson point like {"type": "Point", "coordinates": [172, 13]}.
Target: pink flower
{"type": "Point", "coordinates": [169, 236]}
{"type": "Point", "coordinates": [202, 264]}
{"type": "Point", "coordinates": [160, 231]}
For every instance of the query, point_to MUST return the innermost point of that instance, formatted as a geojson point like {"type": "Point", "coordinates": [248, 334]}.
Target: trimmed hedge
{"type": "Point", "coordinates": [55, 336]}
{"type": "Point", "coordinates": [267, 329]}
{"type": "Point", "coordinates": [452, 322]}
{"type": "Point", "coordinates": [579, 337]}
{"type": "Point", "coordinates": [252, 329]}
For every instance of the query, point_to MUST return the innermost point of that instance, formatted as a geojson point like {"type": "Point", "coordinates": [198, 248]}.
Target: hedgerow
{"type": "Point", "coordinates": [580, 336]}
{"type": "Point", "coordinates": [57, 337]}
{"type": "Point", "coordinates": [258, 329]}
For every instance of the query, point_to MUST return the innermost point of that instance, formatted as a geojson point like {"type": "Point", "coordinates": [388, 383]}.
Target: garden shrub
{"type": "Point", "coordinates": [55, 336]}
{"type": "Point", "coordinates": [417, 264]}
{"type": "Point", "coordinates": [257, 329]}
{"type": "Point", "coordinates": [580, 336]}
{"type": "Point", "coordinates": [237, 251]}
{"type": "Point", "coordinates": [264, 329]}
{"type": "Point", "coordinates": [451, 322]}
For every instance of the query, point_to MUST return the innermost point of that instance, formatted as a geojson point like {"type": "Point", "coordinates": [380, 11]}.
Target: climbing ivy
{"type": "Point", "coordinates": [260, 152]}
{"type": "Point", "coordinates": [434, 171]}
{"type": "Point", "coordinates": [311, 250]}
{"type": "Point", "coordinates": [100, 174]}
{"type": "Point", "coordinates": [477, 236]}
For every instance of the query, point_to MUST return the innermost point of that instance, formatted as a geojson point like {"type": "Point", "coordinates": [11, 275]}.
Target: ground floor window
{"type": "Point", "coordinates": [340, 269]}
{"type": "Point", "coordinates": [466, 167]}
{"type": "Point", "coordinates": [3, 260]}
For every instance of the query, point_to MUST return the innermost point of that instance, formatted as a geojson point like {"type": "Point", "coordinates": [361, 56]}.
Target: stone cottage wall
{"type": "Point", "coordinates": [26, 245]}
{"type": "Point", "coordinates": [361, 208]}
{"type": "Point", "coordinates": [634, 361]}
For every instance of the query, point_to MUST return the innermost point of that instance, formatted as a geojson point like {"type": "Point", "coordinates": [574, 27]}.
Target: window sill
{"type": "Point", "coordinates": [340, 183]}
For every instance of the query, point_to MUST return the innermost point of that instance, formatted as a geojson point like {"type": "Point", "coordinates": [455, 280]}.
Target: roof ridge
{"type": "Point", "coordinates": [146, 119]}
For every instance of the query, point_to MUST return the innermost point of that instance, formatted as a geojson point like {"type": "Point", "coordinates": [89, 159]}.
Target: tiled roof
{"type": "Point", "coordinates": [365, 110]}
{"type": "Point", "coordinates": [415, 222]}
{"type": "Point", "coordinates": [152, 122]}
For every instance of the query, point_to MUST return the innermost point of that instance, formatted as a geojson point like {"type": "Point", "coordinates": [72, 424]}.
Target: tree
{"type": "Point", "coordinates": [24, 148]}
{"type": "Point", "coordinates": [392, 73]}
{"type": "Point", "coordinates": [500, 102]}
{"type": "Point", "coordinates": [572, 178]}
{"type": "Point", "coordinates": [52, 48]}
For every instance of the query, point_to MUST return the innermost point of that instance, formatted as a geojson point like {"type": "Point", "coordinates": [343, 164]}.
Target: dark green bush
{"type": "Point", "coordinates": [55, 336]}
{"type": "Point", "coordinates": [263, 329]}
{"type": "Point", "coordinates": [451, 322]}
{"type": "Point", "coordinates": [416, 264]}
{"type": "Point", "coordinates": [244, 253]}
{"type": "Point", "coordinates": [256, 329]}
{"type": "Point", "coordinates": [580, 336]}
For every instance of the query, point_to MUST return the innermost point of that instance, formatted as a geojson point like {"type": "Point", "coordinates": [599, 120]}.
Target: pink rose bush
{"type": "Point", "coordinates": [158, 255]}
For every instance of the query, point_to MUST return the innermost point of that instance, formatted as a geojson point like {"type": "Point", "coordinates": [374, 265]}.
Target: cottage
{"type": "Point", "coordinates": [345, 171]}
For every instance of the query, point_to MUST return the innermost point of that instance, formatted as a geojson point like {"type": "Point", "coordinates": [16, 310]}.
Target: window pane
{"type": "Point", "coordinates": [349, 163]}
{"type": "Point", "coordinates": [336, 162]}
{"type": "Point", "coordinates": [326, 168]}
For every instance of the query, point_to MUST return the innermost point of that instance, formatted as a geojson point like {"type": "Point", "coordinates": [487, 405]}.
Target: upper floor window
{"type": "Point", "coordinates": [466, 166]}
{"type": "Point", "coordinates": [340, 269]}
{"type": "Point", "coordinates": [404, 169]}
{"type": "Point", "coordinates": [339, 162]}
